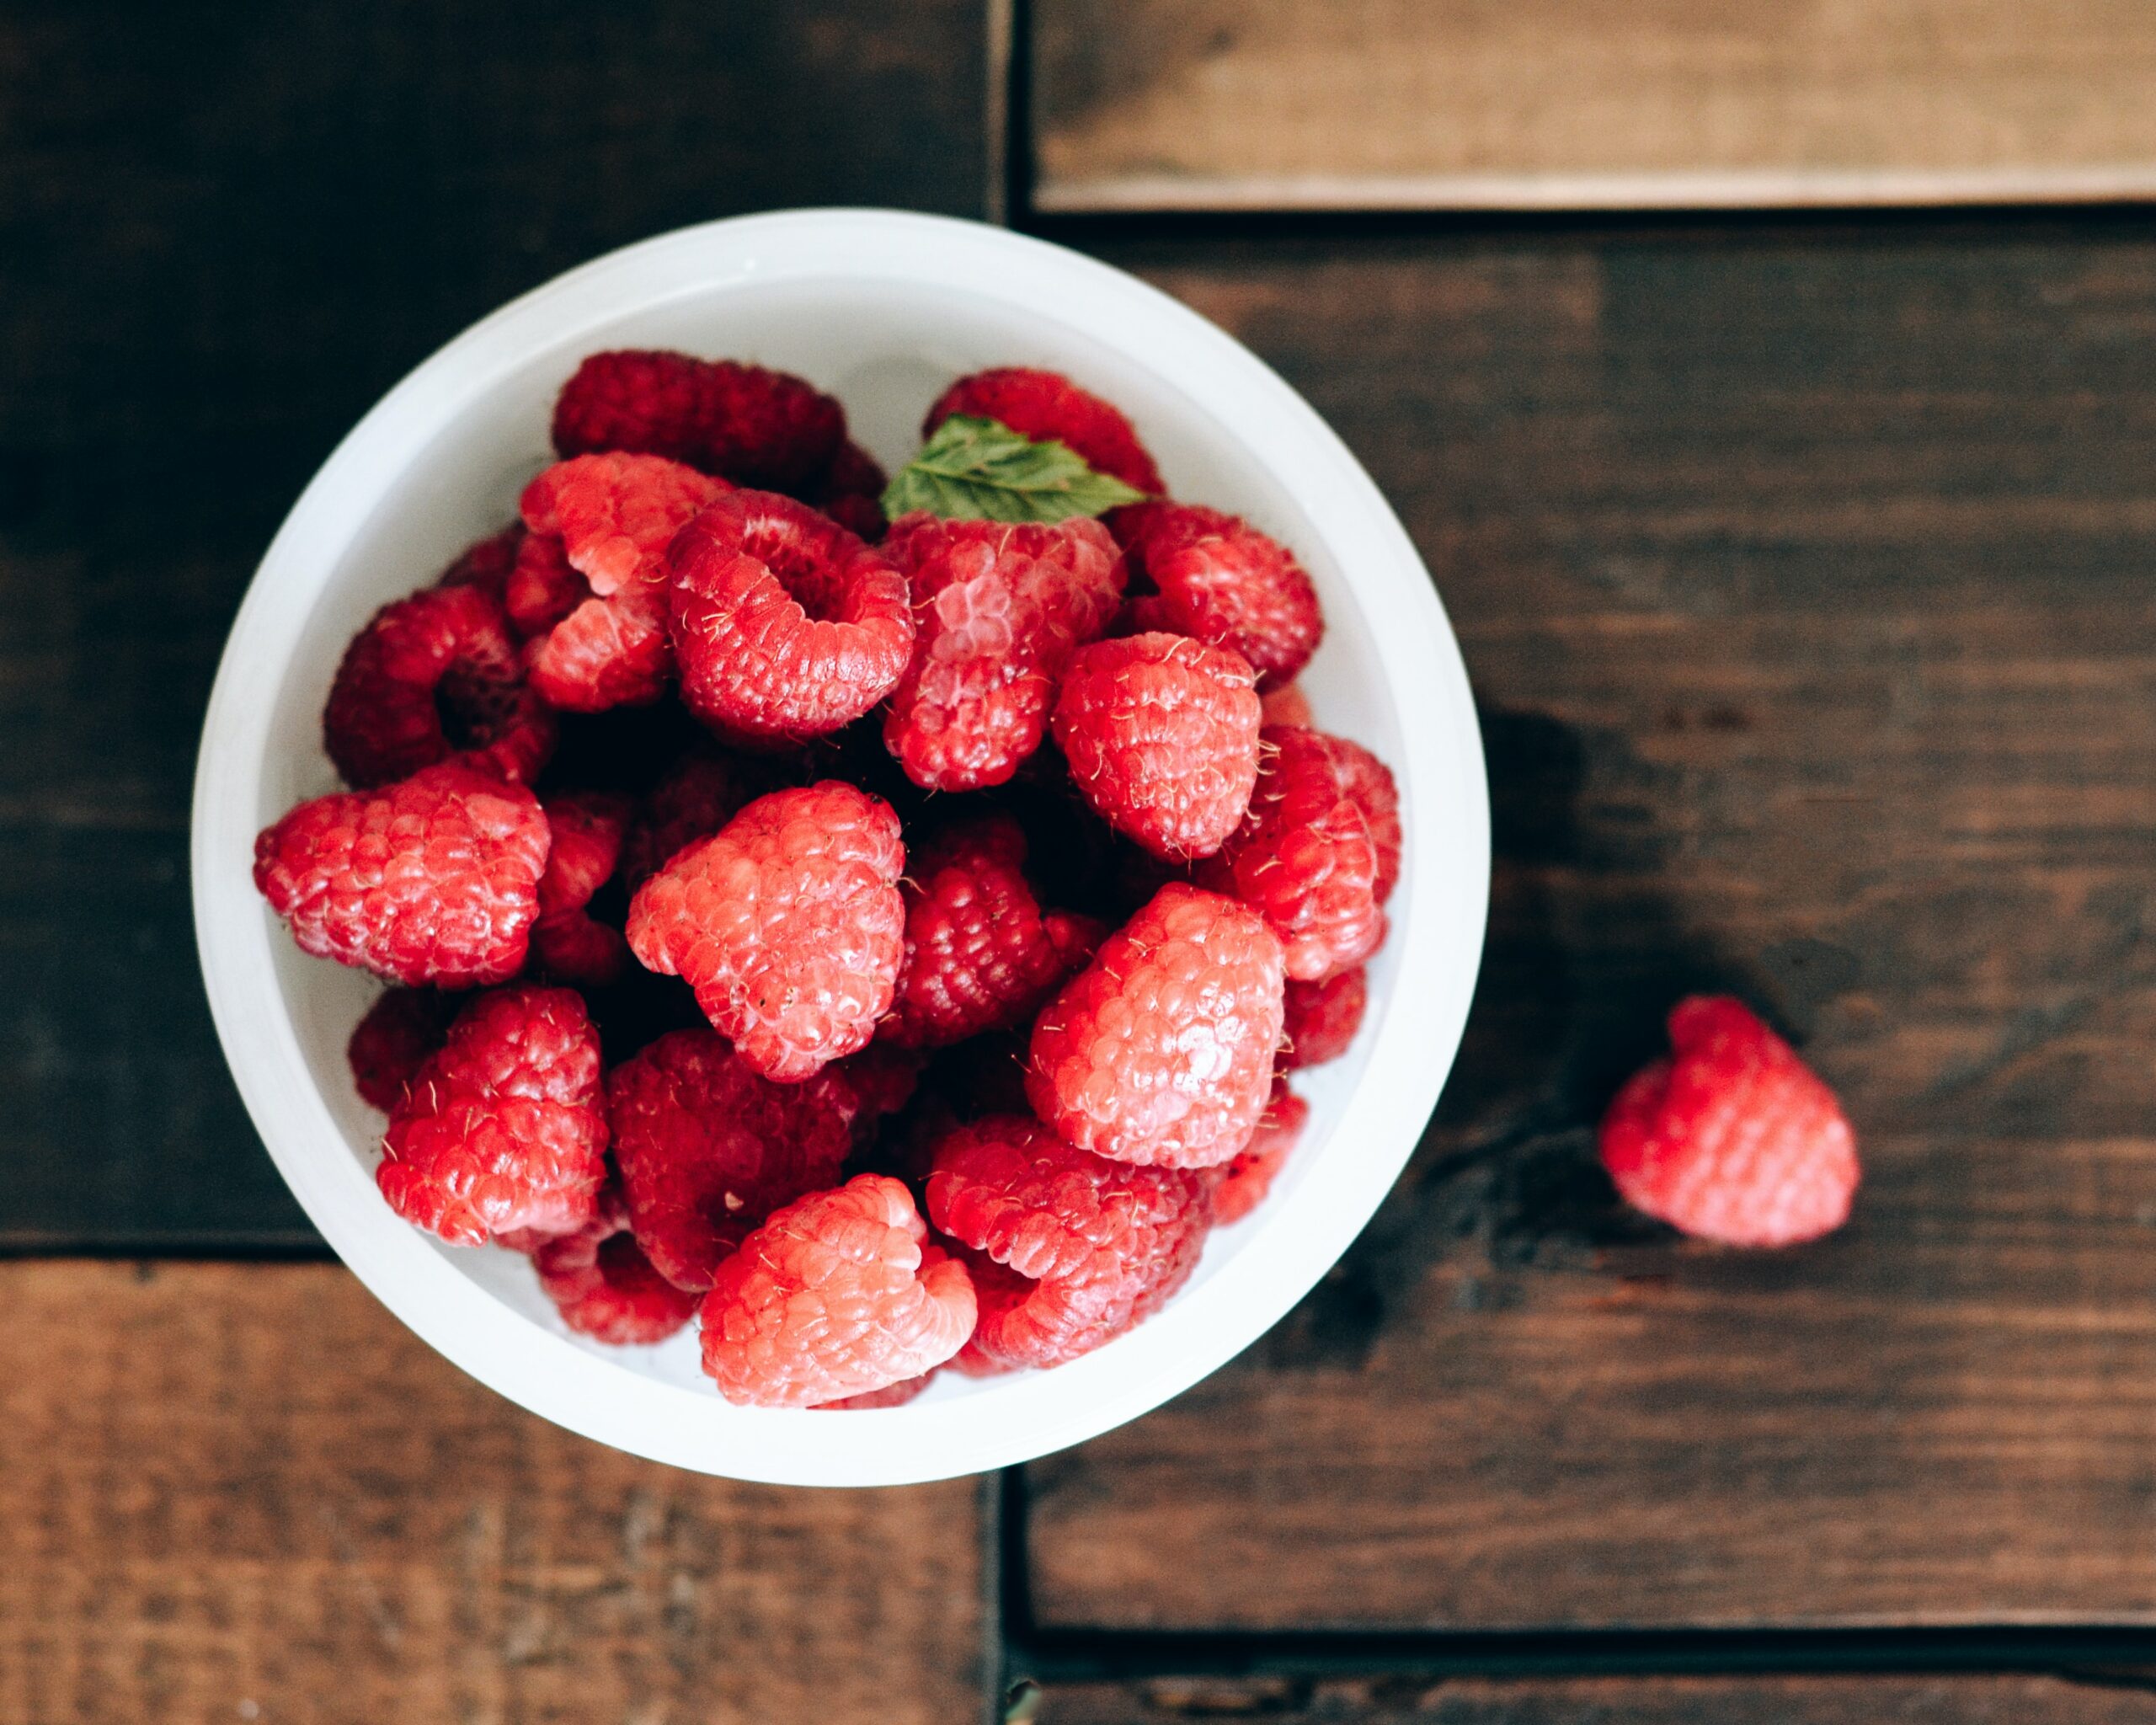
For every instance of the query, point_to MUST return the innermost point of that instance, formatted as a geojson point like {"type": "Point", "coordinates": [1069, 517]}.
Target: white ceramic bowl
{"type": "Point", "coordinates": [883, 309]}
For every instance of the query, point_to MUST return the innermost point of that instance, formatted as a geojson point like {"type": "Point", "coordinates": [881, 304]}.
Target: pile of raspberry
{"type": "Point", "coordinates": [884, 944]}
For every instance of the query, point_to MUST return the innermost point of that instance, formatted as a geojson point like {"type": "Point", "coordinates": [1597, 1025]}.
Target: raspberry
{"type": "Point", "coordinates": [1732, 1137]}
{"type": "Point", "coordinates": [696, 798]}
{"type": "Point", "coordinates": [433, 880]}
{"type": "Point", "coordinates": [1244, 1182]}
{"type": "Point", "coordinates": [1286, 705]}
{"type": "Point", "coordinates": [1160, 1051]}
{"type": "Point", "coordinates": [541, 588]}
{"type": "Point", "coordinates": [979, 954]}
{"type": "Point", "coordinates": [435, 678]}
{"type": "Point", "coordinates": [834, 1296]}
{"type": "Point", "coordinates": [486, 562]}
{"type": "Point", "coordinates": [1162, 733]}
{"type": "Point", "coordinates": [1305, 857]}
{"type": "Point", "coordinates": [1368, 781]}
{"type": "Point", "coordinates": [755, 426]}
{"type": "Point", "coordinates": [393, 1040]}
{"type": "Point", "coordinates": [1023, 1322]}
{"type": "Point", "coordinates": [882, 1078]}
{"type": "Point", "coordinates": [1320, 1019]}
{"type": "Point", "coordinates": [505, 1126]}
{"type": "Point", "coordinates": [707, 1149]}
{"type": "Point", "coordinates": [999, 610]}
{"type": "Point", "coordinates": [852, 492]}
{"type": "Point", "coordinates": [605, 1287]}
{"type": "Point", "coordinates": [789, 924]}
{"type": "Point", "coordinates": [896, 1395]}
{"type": "Point", "coordinates": [786, 625]}
{"type": "Point", "coordinates": [1221, 580]}
{"type": "Point", "coordinates": [1047, 407]}
{"type": "Point", "coordinates": [569, 945]}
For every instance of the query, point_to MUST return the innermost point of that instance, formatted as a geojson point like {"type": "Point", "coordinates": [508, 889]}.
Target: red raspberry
{"type": "Point", "coordinates": [698, 796]}
{"type": "Point", "coordinates": [786, 625]}
{"type": "Point", "coordinates": [1160, 1051]}
{"type": "Point", "coordinates": [605, 1287]}
{"type": "Point", "coordinates": [1732, 1138]}
{"type": "Point", "coordinates": [1220, 580]}
{"type": "Point", "coordinates": [755, 426]}
{"type": "Point", "coordinates": [568, 944]}
{"type": "Point", "coordinates": [1320, 1019]}
{"type": "Point", "coordinates": [852, 492]}
{"type": "Point", "coordinates": [979, 954]}
{"type": "Point", "coordinates": [1023, 1322]}
{"type": "Point", "coordinates": [445, 651]}
{"type": "Point", "coordinates": [1305, 858]}
{"type": "Point", "coordinates": [1245, 1182]}
{"type": "Point", "coordinates": [884, 1078]}
{"type": "Point", "coordinates": [541, 589]}
{"type": "Point", "coordinates": [389, 1045]}
{"type": "Point", "coordinates": [433, 880]}
{"type": "Point", "coordinates": [834, 1296]}
{"type": "Point", "coordinates": [896, 1396]}
{"type": "Point", "coordinates": [1286, 705]}
{"type": "Point", "coordinates": [789, 924]}
{"type": "Point", "coordinates": [998, 610]}
{"type": "Point", "coordinates": [486, 562]}
{"type": "Point", "coordinates": [1161, 734]}
{"type": "Point", "coordinates": [504, 1128]}
{"type": "Point", "coordinates": [1368, 781]}
{"type": "Point", "coordinates": [707, 1149]}
{"type": "Point", "coordinates": [1048, 406]}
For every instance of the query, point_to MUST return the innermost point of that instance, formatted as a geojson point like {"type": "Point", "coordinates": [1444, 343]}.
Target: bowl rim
{"type": "Point", "coordinates": [1439, 931]}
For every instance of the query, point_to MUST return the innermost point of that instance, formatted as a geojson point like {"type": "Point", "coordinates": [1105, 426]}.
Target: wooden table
{"type": "Point", "coordinates": [1803, 567]}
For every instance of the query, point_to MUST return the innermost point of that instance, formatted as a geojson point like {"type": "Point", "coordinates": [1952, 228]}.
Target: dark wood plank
{"type": "Point", "coordinates": [247, 1492]}
{"type": "Point", "coordinates": [1805, 579]}
{"type": "Point", "coordinates": [227, 232]}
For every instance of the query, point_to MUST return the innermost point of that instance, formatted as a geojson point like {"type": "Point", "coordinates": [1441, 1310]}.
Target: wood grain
{"type": "Point", "coordinates": [1586, 104]}
{"type": "Point", "coordinates": [1804, 580]}
{"type": "Point", "coordinates": [247, 1492]}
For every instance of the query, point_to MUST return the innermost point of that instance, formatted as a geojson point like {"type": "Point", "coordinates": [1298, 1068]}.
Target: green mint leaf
{"type": "Point", "coordinates": [980, 470]}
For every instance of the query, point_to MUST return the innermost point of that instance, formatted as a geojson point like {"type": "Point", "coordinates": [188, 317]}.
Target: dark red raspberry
{"type": "Point", "coordinates": [1286, 705]}
{"type": "Point", "coordinates": [1305, 858]}
{"type": "Point", "coordinates": [1162, 733]}
{"type": "Point", "coordinates": [789, 924]}
{"type": "Point", "coordinates": [393, 1041]}
{"type": "Point", "coordinates": [649, 400]}
{"type": "Point", "coordinates": [1732, 1137]}
{"type": "Point", "coordinates": [742, 422]}
{"type": "Point", "coordinates": [1218, 578]}
{"type": "Point", "coordinates": [1048, 406]}
{"type": "Point", "coordinates": [569, 944]}
{"type": "Point", "coordinates": [884, 1078]}
{"type": "Point", "coordinates": [504, 1128]}
{"type": "Point", "coordinates": [434, 678]}
{"type": "Point", "coordinates": [1160, 1051]}
{"type": "Point", "coordinates": [486, 562]}
{"type": "Point", "coordinates": [1320, 1019]}
{"type": "Point", "coordinates": [698, 796]}
{"type": "Point", "coordinates": [541, 589]}
{"type": "Point", "coordinates": [1369, 782]}
{"type": "Point", "coordinates": [897, 1396]}
{"type": "Point", "coordinates": [605, 1287]}
{"type": "Point", "coordinates": [1244, 1182]}
{"type": "Point", "coordinates": [979, 954]}
{"type": "Point", "coordinates": [999, 610]}
{"type": "Point", "coordinates": [852, 492]}
{"type": "Point", "coordinates": [433, 880]}
{"type": "Point", "coordinates": [708, 1148]}
{"type": "Point", "coordinates": [834, 1296]}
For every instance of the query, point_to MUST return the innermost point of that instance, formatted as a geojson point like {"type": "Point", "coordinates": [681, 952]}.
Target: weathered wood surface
{"type": "Point", "coordinates": [236, 1492]}
{"type": "Point", "coordinates": [1805, 579]}
{"type": "Point", "coordinates": [225, 233]}
{"type": "Point", "coordinates": [1579, 104]}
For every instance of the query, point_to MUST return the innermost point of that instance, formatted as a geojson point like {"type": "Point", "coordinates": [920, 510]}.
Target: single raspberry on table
{"type": "Point", "coordinates": [1162, 733]}
{"type": "Point", "coordinates": [504, 1127]}
{"type": "Point", "coordinates": [850, 491]}
{"type": "Point", "coordinates": [786, 625]}
{"type": "Point", "coordinates": [788, 923]}
{"type": "Point", "coordinates": [1731, 1137]}
{"type": "Point", "coordinates": [568, 943]}
{"type": "Point", "coordinates": [837, 1295]}
{"type": "Point", "coordinates": [604, 1285]}
{"type": "Point", "coordinates": [708, 1147]}
{"type": "Point", "coordinates": [1160, 1051]}
{"type": "Point", "coordinates": [393, 1041]}
{"type": "Point", "coordinates": [998, 609]}
{"type": "Point", "coordinates": [431, 678]}
{"type": "Point", "coordinates": [742, 422]}
{"type": "Point", "coordinates": [432, 880]}
{"type": "Point", "coordinates": [1244, 1182]}
{"type": "Point", "coordinates": [486, 562]}
{"type": "Point", "coordinates": [1320, 1019]}
{"type": "Point", "coordinates": [1305, 858]}
{"type": "Point", "coordinates": [1048, 406]}
{"type": "Point", "coordinates": [700, 793]}
{"type": "Point", "coordinates": [1217, 578]}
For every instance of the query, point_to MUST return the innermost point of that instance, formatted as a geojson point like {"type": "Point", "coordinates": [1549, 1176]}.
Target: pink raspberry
{"type": "Point", "coordinates": [1220, 580]}
{"type": "Point", "coordinates": [789, 924]}
{"type": "Point", "coordinates": [834, 1296]}
{"type": "Point", "coordinates": [896, 1396]}
{"type": "Point", "coordinates": [393, 1041]}
{"type": "Point", "coordinates": [433, 880]}
{"type": "Point", "coordinates": [1023, 1322]}
{"type": "Point", "coordinates": [605, 1287]}
{"type": "Point", "coordinates": [1243, 1183]}
{"type": "Point", "coordinates": [1048, 406]}
{"type": "Point", "coordinates": [786, 625]}
{"type": "Point", "coordinates": [755, 426]}
{"type": "Point", "coordinates": [998, 612]}
{"type": "Point", "coordinates": [1160, 1051]}
{"type": "Point", "coordinates": [1368, 781]}
{"type": "Point", "coordinates": [1162, 733]}
{"type": "Point", "coordinates": [504, 1128]}
{"type": "Point", "coordinates": [1320, 1019]}
{"type": "Point", "coordinates": [697, 797]}
{"type": "Point", "coordinates": [569, 944]}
